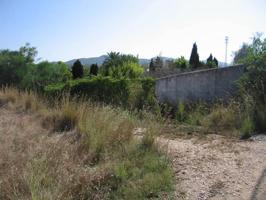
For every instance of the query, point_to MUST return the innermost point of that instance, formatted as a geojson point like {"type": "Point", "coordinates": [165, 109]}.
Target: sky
{"type": "Point", "coordinates": [67, 29]}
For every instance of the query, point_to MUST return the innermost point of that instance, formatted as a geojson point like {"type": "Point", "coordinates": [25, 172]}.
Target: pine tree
{"type": "Point", "coordinates": [94, 69]}
{"type": "Point", "coordinates": [77, 70]}
{"type": "Point", "coordinates": [194, 57]}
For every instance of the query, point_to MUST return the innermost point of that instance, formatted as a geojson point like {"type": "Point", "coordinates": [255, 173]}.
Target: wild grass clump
{"type": "Point", "coordinates": [232, 118]}
{"type": "Point", "coordinates": [63, 116]}
{"type": "Point", "coordinates": [220, 117]}
{"type": "Point", "coordinates": [195, 113]}
{"type": "Point", "coordinates": [20, 100]}
{"type": "Point", "coordinates": [40, 179]}
{"type": "Point", "coordinates": [139, 171]}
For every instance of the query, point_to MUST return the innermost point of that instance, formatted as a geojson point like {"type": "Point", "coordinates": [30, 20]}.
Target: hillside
{"type": "Point", "coordinates": [88, 61]}
{"type": "Point", "coordinates": [99, 60]}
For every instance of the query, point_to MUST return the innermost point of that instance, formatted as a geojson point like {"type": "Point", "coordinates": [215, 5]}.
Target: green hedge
{"type": "Point", "coordinates": [130, 93]}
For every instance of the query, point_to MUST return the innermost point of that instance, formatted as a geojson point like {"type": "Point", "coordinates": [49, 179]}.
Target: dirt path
{"type": "Point", "coordinates": [216, 168]}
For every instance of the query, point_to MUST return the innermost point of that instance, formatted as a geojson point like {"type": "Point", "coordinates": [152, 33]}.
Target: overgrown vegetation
{"type": "Point", "coordinates": [253, 84]}
{"type": "Point", "coordinates": [100, 159]}
{"type": "Point", "coordinates": [129, 93]}
{"type": "Point", "coordinates": [229, 118]}
{"type": "Point", "coordinates": [39, 75]}
{"type": "Point", "coordinates": [121, 66]}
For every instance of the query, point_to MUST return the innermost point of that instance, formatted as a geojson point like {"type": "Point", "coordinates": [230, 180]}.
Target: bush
{"type": "Point", "coordinates": [45, 73]}
{"type": "Point", "coordinates": [123, 92]}
{"type": "Point", "coordinates": [120, 66]}
{"type": "Point", "coordinates": [126, 70]}
{"type": "Point", "coordinates": [102, 89]}
{"type": "Point", "coordinates": [181, 63]}
{"type": "Point", "coordinates": [246, 128]}
{"type": "Point", "coordinates": [253, 82]}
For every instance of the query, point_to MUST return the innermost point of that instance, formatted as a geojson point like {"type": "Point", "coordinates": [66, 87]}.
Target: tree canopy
{"type": "Point", "coordinates": [44, 73]}
{"type": "Point", "coordinates": [181, 63]}
{"type": "Point", "coordinates": [13, 64]}
{"type": "Point", "coordinates": [121, 66]}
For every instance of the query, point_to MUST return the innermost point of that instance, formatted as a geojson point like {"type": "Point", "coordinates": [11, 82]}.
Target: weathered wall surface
{"type": "Point", "coordinates": [204, 85]}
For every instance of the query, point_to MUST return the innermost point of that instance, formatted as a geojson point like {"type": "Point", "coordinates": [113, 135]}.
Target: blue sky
{"type": "Point", "coordinates": [66, 29]}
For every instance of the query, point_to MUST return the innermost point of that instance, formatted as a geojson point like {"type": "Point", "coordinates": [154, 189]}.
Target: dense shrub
{"type": "Point", "coordinates": [181, 63]}
{"type": "Point", "coordinates": [130, 93]}
{"type": "Point", "coordinates": [119, 65]}
{"type": "Point", "coordinates": [103, 89]}
{"type": "Point", "coordinates": [45, 73]}
{"type": "Point", "coordinates": [126, 70]}
{"type": "Point", "coordinates": [253, 84]}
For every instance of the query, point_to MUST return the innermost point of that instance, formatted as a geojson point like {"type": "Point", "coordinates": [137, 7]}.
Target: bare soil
{"type": "Point", "coordinates": [218, 168]}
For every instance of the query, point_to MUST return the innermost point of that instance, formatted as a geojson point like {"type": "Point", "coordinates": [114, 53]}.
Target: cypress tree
{"type": "Point", "coordinates": [94, 69]}
{"type": "Point", "coordinates": [194, 57]}
{"type": "Point", "coordinates": [77, 70]}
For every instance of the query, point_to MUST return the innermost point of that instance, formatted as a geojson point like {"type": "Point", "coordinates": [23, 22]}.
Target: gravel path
{"type": "Point", "coordinates": [218, 168]}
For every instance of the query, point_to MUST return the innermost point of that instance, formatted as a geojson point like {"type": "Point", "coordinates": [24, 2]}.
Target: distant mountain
{"type": "Point", "coordinates": [88, 61]}
{"type": "Point", "coordinates": [143, 61]}
{"type": "Point", "coordinates": [100, 60]}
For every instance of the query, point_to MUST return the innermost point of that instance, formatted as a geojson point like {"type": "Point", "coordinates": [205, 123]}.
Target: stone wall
{"type": "Point", "coordinates": [207, 85]}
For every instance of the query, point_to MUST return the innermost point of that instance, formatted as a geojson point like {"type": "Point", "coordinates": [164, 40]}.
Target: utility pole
{"type": "Point", "coordinates": [226, 45]}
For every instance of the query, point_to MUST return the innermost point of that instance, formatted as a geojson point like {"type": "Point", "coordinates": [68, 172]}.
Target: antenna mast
{"type": "Point", "coordinates": [226, 45]}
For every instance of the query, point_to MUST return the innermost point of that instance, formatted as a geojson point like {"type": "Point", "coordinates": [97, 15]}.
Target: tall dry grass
{"type": "Point", "coordinates": [77, 150]}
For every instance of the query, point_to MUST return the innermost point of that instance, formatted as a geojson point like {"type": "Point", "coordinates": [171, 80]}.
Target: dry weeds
{"type": "Point", "coordinates": [75, 150]}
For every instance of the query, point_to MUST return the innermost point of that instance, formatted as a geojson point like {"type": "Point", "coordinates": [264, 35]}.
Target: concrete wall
{"type": "Point", "coordinates": [207, 85]}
